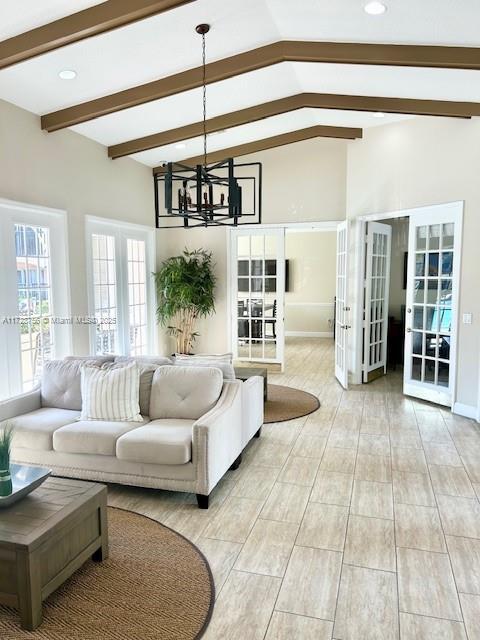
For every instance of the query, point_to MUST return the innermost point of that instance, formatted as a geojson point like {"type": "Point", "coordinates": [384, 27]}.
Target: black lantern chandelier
{"type": "Point", "coordinates": [222, 194]}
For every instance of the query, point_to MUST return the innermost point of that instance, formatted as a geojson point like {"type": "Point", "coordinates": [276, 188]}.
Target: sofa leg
{"type": "Point", "coordinates": [258, 434]}
{"type": "Point", "coordinates": [236, 463]}
{"type": "Point", "coordinates": [202, 501]}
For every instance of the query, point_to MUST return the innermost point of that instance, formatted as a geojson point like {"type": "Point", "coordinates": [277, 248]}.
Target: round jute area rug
{"type": "Point", "coordinates": [287, 403]}
{"type": "Point", "coordinates": [156, 585]}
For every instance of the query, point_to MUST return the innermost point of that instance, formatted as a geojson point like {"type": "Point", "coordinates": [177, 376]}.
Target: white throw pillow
{"type": "Point", "coordinates": [222, 362]}
{"type": "Point", "coordinates": [111, 394]}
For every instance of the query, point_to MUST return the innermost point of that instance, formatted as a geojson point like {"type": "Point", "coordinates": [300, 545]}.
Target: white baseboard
{"type": "Point", "coordinates": [309, 334]}
{"type": "Point", "coordinates": [465, 410]}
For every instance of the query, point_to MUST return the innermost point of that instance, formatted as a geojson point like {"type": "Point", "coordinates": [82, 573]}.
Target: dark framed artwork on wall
{"type": "Point", "coordinates": [405, 269]}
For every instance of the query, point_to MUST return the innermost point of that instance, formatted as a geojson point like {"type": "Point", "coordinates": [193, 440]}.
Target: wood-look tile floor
{"type": "Point", "coordinates": [360, 521]}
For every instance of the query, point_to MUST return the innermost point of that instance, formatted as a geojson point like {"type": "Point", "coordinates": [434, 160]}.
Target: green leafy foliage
{"type": "Point", "coordinates": [185, 292]}
{"type": "Point", "coordinates": [6, 437]}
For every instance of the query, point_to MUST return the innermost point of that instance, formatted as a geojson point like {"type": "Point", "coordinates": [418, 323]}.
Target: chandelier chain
{"type": "Point", "coordinates": [204, 102]}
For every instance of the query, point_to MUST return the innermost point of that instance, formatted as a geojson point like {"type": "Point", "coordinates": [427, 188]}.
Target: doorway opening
{"type": "Point", "coordinates": [282, 294]}
{"type": "Point", "coordinates": [310, 263]}
{"type": "Point", "coordinates": [409, 271]}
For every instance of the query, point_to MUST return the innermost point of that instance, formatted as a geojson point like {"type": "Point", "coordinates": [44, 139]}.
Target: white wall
{"type": "Point", "coordinates": [65, 170]}
{"type": "Point", "coordinates": [309, 306]}
{"type": "Point", "coordinates": [422, 162]}
{"type": "Point", "coordinates": [302, 182]}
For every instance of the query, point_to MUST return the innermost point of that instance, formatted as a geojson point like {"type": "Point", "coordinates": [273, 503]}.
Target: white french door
{"type": "Point", "coordinates": [377, 282]}
{"type": "Point", "coordinates": [432, 303]}
{"type": "Point", "coordinates": [257, 294]}
{"type": "Point", "coordinates": [342, 306]}
{"type": "Point", "coordinates": [120, 259]}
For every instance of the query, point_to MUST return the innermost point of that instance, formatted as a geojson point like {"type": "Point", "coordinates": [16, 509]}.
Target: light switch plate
{"type": "Point", "coordinates": [467, 318]}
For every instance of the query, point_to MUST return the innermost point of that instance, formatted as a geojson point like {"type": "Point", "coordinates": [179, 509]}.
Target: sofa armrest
{"type": "Point", "coordinates": [252, 407]}
{"type": "Point", "coordinates": [217, 438]}
{"type": "Point", "coordinates": [23, 403]}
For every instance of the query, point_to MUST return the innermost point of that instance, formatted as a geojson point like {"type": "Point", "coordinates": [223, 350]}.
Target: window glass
{"type": "Point", "coordinates": [105, 293]}
{"type": "Point", "coordinates": [137, 297]}
{"type": "Point", "coordinates": [34, 300]}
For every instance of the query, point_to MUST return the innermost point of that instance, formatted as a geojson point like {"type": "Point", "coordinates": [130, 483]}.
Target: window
{"type": "Point", "coordinates": [34, 300]}
{"type": "Point", "coordinates": [122, 296]}
{"type": "Point", "coordinates": [104, 293]}
{"type": "Point", "coordinates": [137, 297]}
{"type": "Point", "coordinates": [34, 294]}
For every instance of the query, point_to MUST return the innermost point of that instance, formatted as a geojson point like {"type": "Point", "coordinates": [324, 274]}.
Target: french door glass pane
{"type": "Point", "coordinates": [34, 300]}
{"type": "Point", "coordinates": [447, 235]}
{"type": "Point", "coordinates": [256, 296]}
{"type": "Point", "coordinates": [432, 298]}
{"type": "Point", "coordinates": [377, 254]}
{"type": "Point", "coordinates": [137, 297]}
{"type": "Point", "coordinates": [447, 263]}
{"type": "Point", "coordinates": [104, 292]}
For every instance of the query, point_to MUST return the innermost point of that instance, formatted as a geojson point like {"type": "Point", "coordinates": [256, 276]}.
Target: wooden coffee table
{"type": "Point", "coordinates": [45, 538]}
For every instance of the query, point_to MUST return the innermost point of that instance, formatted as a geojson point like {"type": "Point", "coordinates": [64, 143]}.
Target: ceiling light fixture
{"type": "Point", "coordinates": [180, 145]}
{"type": "Point", "coordinates": [67, 74]}
{"type": "Point", "coordinates": [378, 114]}
{"type": "Point", "coordinates": [375, 8]}
{"type": "Point", "coordinates": [221, 194]}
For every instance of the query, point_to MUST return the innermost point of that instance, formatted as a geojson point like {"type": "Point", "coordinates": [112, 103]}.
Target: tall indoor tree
{"type": "Point", "coordinates": [185, 292]}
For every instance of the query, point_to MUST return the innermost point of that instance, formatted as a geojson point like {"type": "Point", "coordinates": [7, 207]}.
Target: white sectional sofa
{"type": "Point", "coordinates": [195, 426]}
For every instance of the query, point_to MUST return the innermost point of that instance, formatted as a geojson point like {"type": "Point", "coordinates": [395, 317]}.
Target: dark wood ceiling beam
{"type": "Point", "coordinates": [318, 131]}
{"type": "Point", "coordinates": [291, 51]}
{"type": "Point", "coordinates": [90, 22]}
{"type": "Point", "coordinates": [225, 121]}
{"type": "Point", "coordinates": [291, 103]}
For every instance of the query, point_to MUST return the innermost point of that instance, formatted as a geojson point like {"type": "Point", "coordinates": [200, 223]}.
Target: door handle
{"type": "Point", "coordinates": [409, 310]}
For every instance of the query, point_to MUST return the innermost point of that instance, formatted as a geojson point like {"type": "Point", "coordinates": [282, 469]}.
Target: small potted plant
{"type": "Point", "coordinates": [6, 437]}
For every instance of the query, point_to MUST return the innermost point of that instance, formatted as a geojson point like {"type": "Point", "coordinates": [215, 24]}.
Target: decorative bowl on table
{"type": "Point", "coordinates": [24, 479]}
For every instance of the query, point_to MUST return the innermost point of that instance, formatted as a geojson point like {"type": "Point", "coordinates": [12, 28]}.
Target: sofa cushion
{"type": "Point", "coordinates": [95, 359]}
{"type": "Point", "coordinates": [35, 430]}
{"type": "Point", "coordinates": [156, 360]}
{"type": "Point", "coordinates": [222, 362]}
{"type": "Point", "coordinates": [184, 392]}
{"type": "Point", "coordinates": [60, 385]}
{"type": "Point", "coordinates": [159, 442]}
{"type": "Point", "coordinates": [91, 436]}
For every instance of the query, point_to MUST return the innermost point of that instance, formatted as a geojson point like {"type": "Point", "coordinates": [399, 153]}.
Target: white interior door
{"type": "Point", "coordinates": [432, 295]}
{"type": "Point", "coordinates": [377, 282]}
{"type": "Point", "coordinates": [341, 306]}
{"type": "Point", "coordinates": [258, 294]}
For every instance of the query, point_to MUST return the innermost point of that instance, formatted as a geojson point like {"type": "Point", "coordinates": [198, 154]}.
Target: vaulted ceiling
{"type": "Point", "coordinates": [277, 70]}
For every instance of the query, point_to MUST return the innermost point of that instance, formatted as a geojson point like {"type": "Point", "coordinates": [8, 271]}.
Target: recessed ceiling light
{"type": "Point", "coordinates": [378, 114]}
{"type": "Point", "coordinates": [67, 74]}
{"type": "Point", "coordinates": [375, 8]}
{"type": "Point", "coordinates": [180, 145]}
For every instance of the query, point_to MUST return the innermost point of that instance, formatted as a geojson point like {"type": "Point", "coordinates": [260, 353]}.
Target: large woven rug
{"type": "Point", "coordinates": [287, 403]}
{"type": "Point", "coordinates": [156, 585]}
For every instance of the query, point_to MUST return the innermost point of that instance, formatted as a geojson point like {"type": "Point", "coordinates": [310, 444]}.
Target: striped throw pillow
{"type": "Point", "coordinates": [111, 393]}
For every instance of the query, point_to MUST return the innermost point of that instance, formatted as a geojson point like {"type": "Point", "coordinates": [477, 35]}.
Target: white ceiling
{"type": "Point", "coordinates": [266, 128]}
{"type": "Point", "coordinates": [166, 44]}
